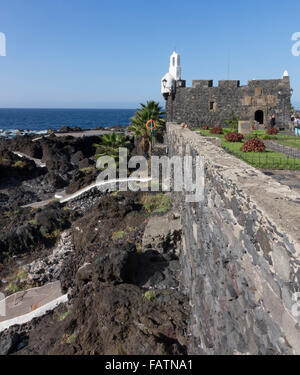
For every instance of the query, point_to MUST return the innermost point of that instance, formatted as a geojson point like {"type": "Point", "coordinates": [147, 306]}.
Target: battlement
{"type": "Point", "coordinates": [229, 83]}
{"type": "Point", "coordinates": [202, 83]}
{"type": "Point", "coordinates": [269, 82]}
{"type": "Point", "coordinates": [206, 104]}
{"type": "Point", "coordinates": [207, 83]}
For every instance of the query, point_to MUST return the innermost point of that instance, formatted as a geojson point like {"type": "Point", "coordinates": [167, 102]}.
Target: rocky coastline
{"type": "Point", "coordinates": [117, 260]}
{"type": "Point", "coordinates": [64, 129]}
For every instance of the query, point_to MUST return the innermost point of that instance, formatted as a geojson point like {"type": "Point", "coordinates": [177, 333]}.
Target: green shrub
{"type": "Point", "coordinates": [157, 203]}
{"type": "Point", "coordinates": [64, 315]}
{"type": "Point", "coordinates": [87, 170]}
{"type": "Point", "coordinates": [70, 338]}
{"type": "Point", "coordinates": [18, 282]}
{"type": "Point", "coordinates": [138, 248]}
{"type": "Point", "coordinates": [19, 164]}
{"type": "Point", "coordinates": [13, 287]}
{"type": "Point", "coordinates": [5, 162]}
{"type": "Point", "coordinates": [118, 235]}
{"type": "Point", "coordinates": [150, 295]}
{"type": "Point", "coordinates": [234, 122]}
{"type": "Point", "coordinates": [33, 222]}
{"type": "Point", "coordinates": [115, 194]}
{"type": "Point", "coordinates": [43, 232]}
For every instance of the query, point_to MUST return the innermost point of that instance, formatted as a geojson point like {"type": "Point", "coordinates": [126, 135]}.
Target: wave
{"type": "Point", "coordinates": [10, 133]}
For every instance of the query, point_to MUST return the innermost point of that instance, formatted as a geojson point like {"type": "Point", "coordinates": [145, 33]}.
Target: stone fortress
{"type": "Point", "coordinates": [206, 104]}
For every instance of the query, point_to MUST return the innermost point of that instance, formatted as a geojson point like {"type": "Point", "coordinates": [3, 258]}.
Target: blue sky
{"type": "Point", "coordinates": [112, 54]}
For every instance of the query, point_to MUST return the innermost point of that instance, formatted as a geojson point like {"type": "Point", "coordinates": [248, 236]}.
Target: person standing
{"type": "Point", "coordinates": [297, 126]}
{"type": "Point", "coordinates": [272, 121]}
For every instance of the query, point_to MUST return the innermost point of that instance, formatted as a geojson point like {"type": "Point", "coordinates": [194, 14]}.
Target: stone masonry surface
{"type": "Point", "coordinates": [240, 257]}
{"type": "Point", "coordinates": [205, 104]}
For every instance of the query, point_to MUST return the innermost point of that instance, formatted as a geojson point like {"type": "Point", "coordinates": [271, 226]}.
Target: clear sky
{"type": "Point", "coordinates": [113, 53]}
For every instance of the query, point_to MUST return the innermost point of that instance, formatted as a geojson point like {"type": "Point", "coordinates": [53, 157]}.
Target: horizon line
{"type": "Point", "coordinates": [80, 108]}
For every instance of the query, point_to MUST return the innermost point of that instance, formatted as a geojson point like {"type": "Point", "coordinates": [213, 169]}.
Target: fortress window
{"type": "Point", "coordinates": [259, 91]}
{"type": "Point", "coordinates": [212, 106]}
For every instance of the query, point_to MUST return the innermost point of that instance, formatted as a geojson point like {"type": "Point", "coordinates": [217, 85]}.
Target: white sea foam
{"type": "Point", "coordinates": [10, 133]}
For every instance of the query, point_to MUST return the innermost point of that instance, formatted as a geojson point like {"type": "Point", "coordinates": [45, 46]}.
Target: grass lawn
{"type": "Point", "coordinates": [268, 160]}
{"type": "Point", "coordinates": [289, 141]}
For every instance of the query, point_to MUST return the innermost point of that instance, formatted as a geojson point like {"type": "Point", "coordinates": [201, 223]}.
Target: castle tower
{"type": "Point", "coordinates": [168, 82]}
{"type": "Point", "coordinates": [175, 68]}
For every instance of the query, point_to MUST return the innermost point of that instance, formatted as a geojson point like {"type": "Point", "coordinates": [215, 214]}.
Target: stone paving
{"type": "Point", "coordinates": [285, 177]}
{"type": "Point", "coordinates": [26, 301]}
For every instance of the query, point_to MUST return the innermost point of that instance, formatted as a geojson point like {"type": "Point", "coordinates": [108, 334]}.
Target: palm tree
{"type": "Point", "coordinates": [110, 144]}
{"type": "Point", "coordinates": [150, 111]}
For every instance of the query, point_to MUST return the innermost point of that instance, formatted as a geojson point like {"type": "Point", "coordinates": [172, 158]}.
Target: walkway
{"type": "Point", "coordinates": [285, 177]}
{"type": "Point", "coordinates": [22, 307]}
{"type": "Point", "coordinates": [40, 204]}
{"type": "Point", "coordinates": [286, 150]}
{"type": "Point", "coordinates": [38, 162]}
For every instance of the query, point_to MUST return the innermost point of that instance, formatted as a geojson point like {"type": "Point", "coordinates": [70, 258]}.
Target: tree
{"type": "Point", "coordinates": [150, 111]}
{"type": "Point", "coordinates": [234, 122]}
{"type": "Point", "coordinates": [110, 144]}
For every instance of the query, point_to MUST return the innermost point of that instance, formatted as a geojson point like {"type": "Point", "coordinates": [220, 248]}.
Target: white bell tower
{"type": "Point", "coordinates": [285, 74]}
{"type": "Point", "coordinates": [175, 68]}
{"type": "Point", "coordinates": [168, 82]}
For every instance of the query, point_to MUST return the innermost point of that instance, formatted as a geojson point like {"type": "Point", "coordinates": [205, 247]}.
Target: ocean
{"type": "Point", "coordinates": [40, 120]}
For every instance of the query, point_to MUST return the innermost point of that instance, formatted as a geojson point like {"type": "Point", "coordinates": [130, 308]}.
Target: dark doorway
{"type": "Point", "coordinates": [259, 116]}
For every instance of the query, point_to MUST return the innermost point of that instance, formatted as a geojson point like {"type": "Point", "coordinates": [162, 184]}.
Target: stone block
{"type": "Point", "coordinates": [245, 127]}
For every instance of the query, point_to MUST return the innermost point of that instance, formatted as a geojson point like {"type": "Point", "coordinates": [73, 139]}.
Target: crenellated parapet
{"type": "Point", "coordinates": [207, 104]}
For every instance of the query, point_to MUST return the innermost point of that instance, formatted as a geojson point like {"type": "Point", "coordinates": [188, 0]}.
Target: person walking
{"type": "Point", "coordinates": [272, 121]}
{"type": "Point", "coordinates": [297, 126]}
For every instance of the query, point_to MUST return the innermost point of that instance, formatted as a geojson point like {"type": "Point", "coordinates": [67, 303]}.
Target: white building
{"type": "Point", "coordinates": [168, 82]}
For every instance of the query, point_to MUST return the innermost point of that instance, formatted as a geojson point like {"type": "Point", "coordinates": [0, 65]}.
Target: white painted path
{"type": "Point", "coordinates": [23, 306]}
{"type": "Point", "coordinates": [38, 162]}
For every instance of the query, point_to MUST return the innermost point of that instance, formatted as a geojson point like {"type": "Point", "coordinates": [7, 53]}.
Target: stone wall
{"type": "Point", "coordinates": [204, 104]}
{"type": "Point", "coordinates": [240, 259]}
